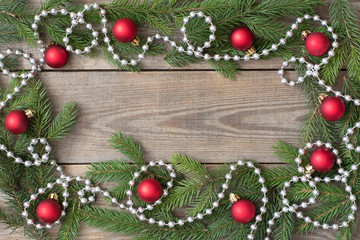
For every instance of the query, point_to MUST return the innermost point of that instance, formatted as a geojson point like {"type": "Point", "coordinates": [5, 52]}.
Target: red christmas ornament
{"type": "Point", "coordinates": [56, 56]}
{"type": "Point", "coordinates": [124, 30]}
{"type": "Point", "coordinates": [332, 108]}
{"type": "Point", "coordinates": [317, 44]}
{"type": "Point", "coordinates": [322, 160]}
{"type": "Point", "coordinates": [241, 38]}
{"type": "Point", "coordinates": [16, 122]}
{"type": "Point", "coordinates": [242, 210]}
{"type": "Point", "coordinates": [48, 211]}
{"type": "Point", "coordinates": [149, 190]}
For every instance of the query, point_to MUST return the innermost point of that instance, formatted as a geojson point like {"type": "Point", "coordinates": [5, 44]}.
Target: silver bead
{"type": "Point", "coordinates": [207, 56]}
{"type": "Point", "coordinates": [94, 42]}
{"type": "Point", "coordinates": [145, 47]}
{"type": "Point", "coordinates": [124, 62]}
{"type": "Point", "coordinates": [265, 52]}
{"type": "Point", "coordinates": [142, 217]}
{"type": "Point", "coordinates": [27, 163]}
{"type": "Point", "coordinates": [220, 195]}
{"type": "Point", "coordinates": [217, 57]}
{"type": "Point", "coordinates": [44, 13]}
{"type": "Point", "coordinates": [26, 204]}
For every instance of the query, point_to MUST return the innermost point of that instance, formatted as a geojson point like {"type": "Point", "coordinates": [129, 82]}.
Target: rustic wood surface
{"type": "Point", "coordinates": [191, 110]}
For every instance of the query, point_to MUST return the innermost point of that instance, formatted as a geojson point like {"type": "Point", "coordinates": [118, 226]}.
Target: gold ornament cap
{"type": "Point", "coordinates": [135, 41]}
{"type": "Point", "coordinates": [53, 196]}
{"type": "Point", "coordinates": [233, 198]}
{"type": "Point", "coordinates": [309, 169]}
{"type": "Point", "coordinates": [305, 34]}
{"type": "Point", "coordinates": [29, 113]}
{"type": "Point", "coordinates": [251, 51]}
{"type": "Point", "coordinates": [322, 97]}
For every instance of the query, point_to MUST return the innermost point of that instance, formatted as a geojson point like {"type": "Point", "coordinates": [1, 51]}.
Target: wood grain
{"type": "Point", "coordinates": [192, 110]}
{"type": "Point", "coordinates": [199, 113]}
{"type": "Point", "coordinates": [87, 232]}
{"type": "Point", "coordinates": [157, 62]}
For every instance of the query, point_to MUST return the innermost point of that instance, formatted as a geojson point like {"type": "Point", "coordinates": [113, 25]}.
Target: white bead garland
{"type": "Point", "coordinates": [88, 193]}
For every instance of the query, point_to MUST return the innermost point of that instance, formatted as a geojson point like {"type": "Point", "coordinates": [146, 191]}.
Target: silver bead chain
{"type": "Point", "coordinates": [88, 193]}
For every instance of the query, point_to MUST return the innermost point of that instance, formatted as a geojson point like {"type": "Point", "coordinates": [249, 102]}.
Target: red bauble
{"type": "Point", "coordinates": [241, 38]}
{"type": "Point", "coordinates": [149, 190]}
{"type": "Point", "coordinates": [16, 122]}
{"type": "Point", "coordinates": [322, 160]}
{"type": "Point", "coordinates": [243, 211]}
{"type": "Point", "coordinates": [56, 56]}
{"type": "Point", "coordinates": [317, 44]}
{"type": "Point", "coordinates": [124, 30]}
{"type": "Point", "coordinates": [332, 108]}
{"type": "Point", "coordinates": [48, 211]}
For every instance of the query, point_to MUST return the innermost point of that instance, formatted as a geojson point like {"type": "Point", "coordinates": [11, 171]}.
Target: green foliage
{"type": "Point", "coordinates": [128, 147]}
{"type": "Point", "coordinates": [266, 19]}
{"type": "Point", "coordinates": [16, 181]}
{"type": "Point", "coordinates": [196, 186]}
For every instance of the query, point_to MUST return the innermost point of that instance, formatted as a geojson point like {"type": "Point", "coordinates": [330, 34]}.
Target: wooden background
{"type": "Point", "coordinates": [192, 110]}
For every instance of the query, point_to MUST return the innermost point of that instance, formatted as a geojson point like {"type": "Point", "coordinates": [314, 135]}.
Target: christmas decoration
{"type": "Point", "coordinates": [56, 56]}
{"type": "Point", "coordinates": [241, 38]}
{"type": "Point", "coordinates": [332, 108]}
{"type": "Point", "coordinates": [242, 210]}
{"type": "Point", "coordinates": [149, 190]}
{"type": "Point", "coordinates": [16, 122]}
{"type": "Point", "coordinates": [49, 211]}
{"type": "Point", "coordinates": [124, 30]}
{"type": "Point", "coordinates": [322, 160]}
{"type": "Point", "coordinates": [262, 225]}
{"type": "Point", "coordinates": [317, 44]}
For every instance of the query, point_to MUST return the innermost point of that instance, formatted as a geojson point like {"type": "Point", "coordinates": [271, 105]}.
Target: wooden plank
{"type": "Point", "coordinates": [198, 113]}
{"type": "Point", "coordinates": [80, 62]}
{"type": "Point", "coordinates": [157, 62]}
{"type": "Point", "coordinates": [87, 232]}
